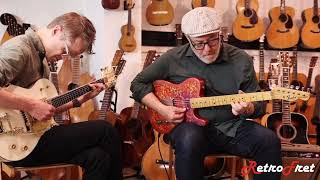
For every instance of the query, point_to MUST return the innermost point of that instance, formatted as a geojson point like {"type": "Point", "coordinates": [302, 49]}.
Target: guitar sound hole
{"type": "Point", "coordinates": [247, 12]}
{"type": "Point", "coordinates": [315, 19]}
{"type": "Point", "coordinates": [287, 131]}
{"type": "Point", "coordinates": [72, 86]}
{"type": "Point", "coordinates": [283, 18]}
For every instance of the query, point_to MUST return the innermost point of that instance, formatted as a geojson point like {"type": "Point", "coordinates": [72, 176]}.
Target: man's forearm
{"type": "Point", "coordinates": [13, 101]}
{"type": "Point", "coordinates": [152, 101]}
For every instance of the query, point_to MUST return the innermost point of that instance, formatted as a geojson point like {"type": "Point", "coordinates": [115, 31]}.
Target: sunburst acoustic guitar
{"type": "Point", "coordinates": [247, 25]}
{"type": "Point", "coordinates": [282, 32]}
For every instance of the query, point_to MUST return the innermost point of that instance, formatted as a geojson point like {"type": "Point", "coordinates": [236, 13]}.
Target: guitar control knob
{"type": "Point", "coordinates": [25, 148]}
{"type": "Point", "coordinates": [13, 146]}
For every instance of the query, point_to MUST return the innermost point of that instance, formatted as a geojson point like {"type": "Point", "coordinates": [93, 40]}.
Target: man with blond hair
{"type": "Point", "coordinates": [94, 145]}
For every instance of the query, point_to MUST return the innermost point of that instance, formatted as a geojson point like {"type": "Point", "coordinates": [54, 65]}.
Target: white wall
{"type": "Point", "coordinates": [109, 22]}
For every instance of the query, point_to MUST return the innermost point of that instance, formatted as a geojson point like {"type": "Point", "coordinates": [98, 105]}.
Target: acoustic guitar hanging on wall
{"type": "Point", "coordinates": [127, 42]}
{"type": "Point", "coordinates": [310, 30]}
{"type": "Point", "coordinates": [248, 26]}
{"type": "Point", "coordinates": [159, 12]}
{"type": "Point", "coordinates": [282, 32]}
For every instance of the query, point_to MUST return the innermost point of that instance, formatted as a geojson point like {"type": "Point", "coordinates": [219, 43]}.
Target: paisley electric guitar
{"type": "Point", "coordinates": [19, 131]}
{"type": "Point", "coordinates": [282, 32]}
{"type": "Point", "coordinates": [248, 26]}
{"type": "Point", "coordinates": [188, 94]}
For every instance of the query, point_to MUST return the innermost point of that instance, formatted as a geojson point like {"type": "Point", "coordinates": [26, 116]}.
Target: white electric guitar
{"type": "Point", "coordinates": [20, 132]}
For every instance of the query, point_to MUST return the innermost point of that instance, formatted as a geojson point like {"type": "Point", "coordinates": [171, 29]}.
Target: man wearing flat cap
{"type": "Point", "coordinates": [225, 70]}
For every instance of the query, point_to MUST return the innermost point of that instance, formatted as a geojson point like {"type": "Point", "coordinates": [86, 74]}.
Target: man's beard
{"type": "Point", "coordinates": [203, 59]}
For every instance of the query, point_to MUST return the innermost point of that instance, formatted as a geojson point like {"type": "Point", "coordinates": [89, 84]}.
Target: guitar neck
{"type": "Point", "coordinates": [295, 64]}
{"type": "Point", "coordinates": [282, 6]}
{"type": "Point", "coordinates": [129, 21]}
{"type": "Point", "coordinates": [228, 99]}
{"type": "Point", "coordinates": [76, 70]}
{"type": "Point", "coordinates": [316, 111]}
{"type": "Point", "coordinates": [315, 7]}
{"type": "Point", "coordinates": [105, 106]}
{"type": "Point", "coordinates": [71, 95]}
{"type": "Point", "coordinates": [286, 117]}
{"type": "Point", "coordinates": [247, 4]}
{"type": "Point", "coordinates": [261, 62]}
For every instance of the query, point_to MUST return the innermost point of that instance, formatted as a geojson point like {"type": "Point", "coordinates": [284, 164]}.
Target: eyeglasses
{"type": "Point", "coordinates": [66, 50]}
{"type": "Point", "coordinates": [211, 42]}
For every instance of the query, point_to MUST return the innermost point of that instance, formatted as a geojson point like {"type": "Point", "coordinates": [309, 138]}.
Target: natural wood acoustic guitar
{"type": "Point", "coordinates": [127, 42]}
{"type": "Point", "coordinates": [105, 113]}
{"type": "Point", "coordinates": [307, 107]}
{"type": "Point", "coordinates": [282, 32]}
{"type": "Point", "coordinates": [262, 76]}
{"type": "Point", "coordinates": [248, 26]}
{"type": "Point", "coordinates": [202, 3]}
{"type": "Point", "coordinates": [310, 30]}
{"type": "Point", "coordinates": [70, 77]}
{"type": "Point", "coordinates": [13, 29]}
{"type": "Point", "coordinates": [159, 12]}
{"type": "Point", "coordinates": [137, 131]}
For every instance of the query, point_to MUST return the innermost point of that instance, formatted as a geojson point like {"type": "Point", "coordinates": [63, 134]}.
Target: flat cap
{"type": "Point", "coordinates": [201, 21]}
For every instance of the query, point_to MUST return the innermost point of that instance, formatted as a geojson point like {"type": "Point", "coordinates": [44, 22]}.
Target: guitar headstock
{"type": "Point", "coordinates": [14, 29]}
{"type": "Point", "coordinates": [118, 69]}
{"type": "Point", "coordinates": [128, 4]}
{"type": "Point", "coordinates": [150, 58]}
{"type": "Point", "coordinates": [224, 34]}
{"type": "Point", "coordinates": [285, 59]}
{"type": "Point", "coordinates": [108, 76]}
{"type": "Point", "coordinates": [117, 57]}
{"type": "Point", "coordinates": [178, 31]}
{"type": "Point", "coordinates": [274, 71]}
{"type": "Point", "coordinates": [313, 61]}
{"type": "Point", "coordinates": [289, 94]}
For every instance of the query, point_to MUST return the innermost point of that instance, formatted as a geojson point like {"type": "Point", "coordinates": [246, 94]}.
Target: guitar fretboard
{"type": "Point", "coordinates": [69, 96]}
{"type": "Point", "coordinates": [228, 99]}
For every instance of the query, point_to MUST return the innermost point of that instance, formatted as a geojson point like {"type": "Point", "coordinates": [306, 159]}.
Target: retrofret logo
{"type": "Point", "coordinates": [293, 167]}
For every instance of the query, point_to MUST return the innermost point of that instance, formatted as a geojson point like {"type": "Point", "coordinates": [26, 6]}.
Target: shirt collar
{"type": "Point", "coordinates": [36, 40]}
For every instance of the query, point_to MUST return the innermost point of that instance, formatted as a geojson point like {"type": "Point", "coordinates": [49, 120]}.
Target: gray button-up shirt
{"type": "Point", "coordinates": [20, 63]}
